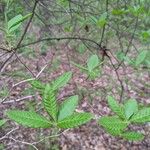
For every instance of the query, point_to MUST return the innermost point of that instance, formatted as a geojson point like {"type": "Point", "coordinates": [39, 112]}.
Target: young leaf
{"type": "Point", "coordinates": [141, 116]}
{"type": "Point", "coordinates": [20, 21]}
{"type": "Point", "coordinates": [50, 103]}
{"type": "Point", "coordinates": [28, 118]}
{"type": "Point", "coordinates": [37, 84]}
{"type": "Point", "coordinates": [115, 107]}
{"type": "Point", "coordinates": [93, 62]}
{"type": "Point", "coordinates": [13, 22]}
{"type": "Point", "coordinates": [140, 58]}
{"type": "Point", "coordinates": [101, 22]}
{"type": "Point", "coordinates": [67, 107]}
{"type": "Point", "coordinates": [113, 124]}
{"type": "Point", "coordinates": [75, 120]}
{"type": "Point", "coordinates": [131, 107]}
{"type": "Point", "coordinates": [2, 122]}
{"type": "Point", "coordinates": [118, 12]}
{"type": "Point", "coordinates": [132, 136]}
{"type": "Point", "coordinates": [79, 66]}
{"type": "Point", "coordinates": [61, 80]}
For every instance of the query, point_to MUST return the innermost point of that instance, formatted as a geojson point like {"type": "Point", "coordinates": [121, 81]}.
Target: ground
{"type": "Point", "coordinates": [93, 97]}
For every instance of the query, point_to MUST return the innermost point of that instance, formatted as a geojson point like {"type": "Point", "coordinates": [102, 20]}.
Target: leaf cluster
{"type": "Point", "coordinates": [125, 115]}
{"type": "Point", "coordinates": [61, 116]}
{"type": "Point", "coordinates": [91, 69]}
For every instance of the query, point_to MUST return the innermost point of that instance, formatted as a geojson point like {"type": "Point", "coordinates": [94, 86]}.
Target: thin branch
{"type": "Point", "coordinates": [58, 39]}
{"type": "Point", "coordinates": [41, 71]}
{"type": "Point", "coordinates": [18, 100]}
{"type": "Point", "coordinates": [104, 27]}
{"type": "Point", "coordinates": [118, 78]}
{"type": "Point", "coordinates": [24, 64]}
{"type": "Point", "coordinates": [51, 136]}
{"type": "Point", "coordinates": [130, 42]}
{"type": "Point", "coordinates": [3, 65]}
{"type": "Point", "coordinates": [26, 143]}
{"type": "Point", "coordinates": [23, 81]}
{"type": "Point", "coordinates": [22, 37]}
{"type": "Point", "coordinates": [28, 24]}
{"type": "Point", "coordinates": [7, 134]}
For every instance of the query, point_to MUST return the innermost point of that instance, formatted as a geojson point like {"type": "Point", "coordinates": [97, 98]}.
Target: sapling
{"type": "Point", "coordinates": [61, 115]}
{"type": "Point", "coordinates": [125, 115]}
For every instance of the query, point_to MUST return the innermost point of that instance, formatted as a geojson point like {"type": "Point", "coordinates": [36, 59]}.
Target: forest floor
{"type": "Point", "coordinates": [93, 98]}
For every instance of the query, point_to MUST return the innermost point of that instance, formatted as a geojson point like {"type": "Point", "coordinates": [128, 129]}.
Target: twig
{"type": "Point", "coordinates": [7, 134]}
{"type": "Point", "coordinates": [130, 42]}
{"type": "Point", "coordinates": [104, 27]}
{"type": "Point", "coordinates": [24, 65]}
{"type": "Point", "coordinates": [24, 81]}
{"type": "Point", "coordinates": [26, 143]}
{"type": "Point", "coordinates": [58, 39]}
{"type": "Point", "coordinates": [3, 65]}
{"type": "Point", "coordinates": [51, 136]}
{"type": "Point", "coordinates": [118, 77]}
{"type": "Point", "coordinates": [17, 100]}
{"type": "Point", "coordinates": [22, 37]}
{"type": "Point", "coordinates": [41, 71]}
{"type": "Point", "coordinates": [28, 24]}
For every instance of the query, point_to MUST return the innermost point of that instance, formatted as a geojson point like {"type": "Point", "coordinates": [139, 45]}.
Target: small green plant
{"type": "Point", "coordinates": [101, 21]}
{"type": "Point", "coordinates": [61, 116]}
{"type": "Point", "coordinates": [142, 58]}
{"type": "Point", "coordinates": [13, 24]}
{"type": "Point", "coordinates": [126, 114]}
{"type": "Point", "coordinates": [92, 69]}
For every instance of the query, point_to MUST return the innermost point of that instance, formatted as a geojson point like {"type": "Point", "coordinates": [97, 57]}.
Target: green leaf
{"type": "Point", "coordinates": [113, 124]}
{"type": "Point", "coordinates": [131, 107]}
{"type": "Point", "coordinates": [37, 85]}
{"type": "Point", "coordinates": [63, 3]}
{"type": "Point", "coordinates": [132, 136]}
{"type": "Point", "coordinates": [67, 107]}
{"type": "Point", "coordinates": [50, 102]}
{"type": "Point", "coordinates": [61, 80]}
{"type": "Point", "coordinates": [28, 118]}
{"type": "Point", "coordinates": [79, 66]}
{"type": "Point", "coordinates": [102, 20]}
{"type": "Point", "coordinates": [94, 74]}
{"type": "Point", "coordinates": [15, 22]}
{"type": "Point", "coordinates": [81, 48]}
{"type": "Point", "coordinates": [141, 57]}
{"type": "Point", "coordinates": [93, 62]}
{"type": "Point", "coordinates": [75, 120]}
{"type": "Point", "coordinates": [116, 108]}
{"type": "Point", "coordinates": [2, 122]}
{"type": "Point", "coordinates": [141, 116]}
{"type": "Point", "coordinates": [12, 23]}
{"type": "Point", "coordinates": [118, 12]}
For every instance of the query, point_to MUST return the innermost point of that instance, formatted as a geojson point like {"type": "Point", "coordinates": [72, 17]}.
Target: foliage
{"type": "Point", "coordinates": [92, 69]}
{"type": "Point", "coordinates": [68, 107]}
{"type": "Point", "coordinates": [132, 136]}
{"type": "Point", "coordinates": [122, 23]}
{"type": "Point", "coordinates": [62, 116]}
{"type": "Point", "coordinates": [28, 118]}
{"type": "Point", "coordinates": [127, 114]}
{"type": "Point", "coordinates": [141, 59]}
